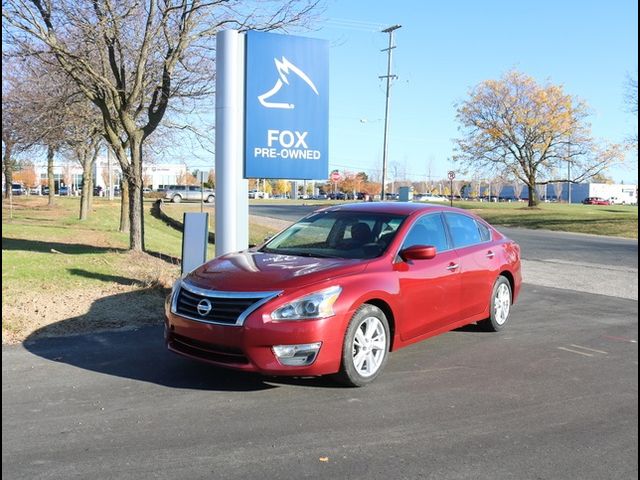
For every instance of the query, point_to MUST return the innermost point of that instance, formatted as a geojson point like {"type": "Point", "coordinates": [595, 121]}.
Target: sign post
{"type": "Point", "coordinates": [335, 178]}
{"type": "Point", "coordinates": [451, 176]}
{"type": "Point", "coordinates": [232, 204]}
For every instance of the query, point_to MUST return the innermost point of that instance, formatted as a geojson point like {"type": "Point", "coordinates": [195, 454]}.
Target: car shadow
{"type": "Point", "coordinates": [471, 328]}
{"type": "Point", "coordinates": [137, 351]}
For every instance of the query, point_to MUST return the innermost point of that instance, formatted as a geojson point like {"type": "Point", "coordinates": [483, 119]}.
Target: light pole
{"type": "Point", "coordinates": [388, 76]}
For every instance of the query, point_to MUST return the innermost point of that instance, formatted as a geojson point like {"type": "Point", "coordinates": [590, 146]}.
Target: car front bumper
{"type": "Point", "coordinates": [249, 347]}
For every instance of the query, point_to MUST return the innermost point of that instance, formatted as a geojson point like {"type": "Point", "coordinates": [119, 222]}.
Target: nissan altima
{"type": "Point", "coordinates": [339, 290]}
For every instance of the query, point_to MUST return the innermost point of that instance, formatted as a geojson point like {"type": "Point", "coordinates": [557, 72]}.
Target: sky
{"type": "Point", "coordinates": [444, 49]}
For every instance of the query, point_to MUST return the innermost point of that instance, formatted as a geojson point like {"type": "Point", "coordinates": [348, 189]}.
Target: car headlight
{"type": "Point", "coordinates": [315, 305]}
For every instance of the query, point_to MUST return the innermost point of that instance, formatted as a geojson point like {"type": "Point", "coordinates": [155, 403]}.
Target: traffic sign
{"type": "Point", "coordinates": [451, 174]}
{"type": "Point", "coordinates": [335, 176]}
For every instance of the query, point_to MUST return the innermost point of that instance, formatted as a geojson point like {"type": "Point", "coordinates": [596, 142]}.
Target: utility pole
{"type": "Point", "coordinates": [389, 76]}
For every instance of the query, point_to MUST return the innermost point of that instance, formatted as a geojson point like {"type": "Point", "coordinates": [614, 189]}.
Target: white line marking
{"type": "Point", "coordinates": [589, 349]}
{"type": "Point", "coordinates": [575, 351]}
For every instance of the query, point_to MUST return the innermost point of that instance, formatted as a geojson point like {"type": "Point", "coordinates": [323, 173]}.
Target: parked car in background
{"type": "Point", "coordinates": [340, 289]}
{"type": "Point", "coordinates": [256, 194]}
{"type": "Point", "coordinates": [178, 193]}
{"type": "Point", "coordinates": [430, 198]}
{"type": "Point", "coordinates": [63, 191]}
{"type": "Point", "coordinates": [18, 189]}
{"type": "Point", "coordinates": [596, 201]}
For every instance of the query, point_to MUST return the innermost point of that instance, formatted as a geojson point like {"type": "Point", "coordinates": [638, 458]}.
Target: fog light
{"type": "Point", "coordinates": [297, 355]}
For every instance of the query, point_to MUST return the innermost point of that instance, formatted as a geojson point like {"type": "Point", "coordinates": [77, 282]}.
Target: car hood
{"type": "Point", "coordinates": [252, 271]}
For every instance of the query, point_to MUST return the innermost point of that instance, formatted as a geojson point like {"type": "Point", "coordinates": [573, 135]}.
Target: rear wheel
{"type": "Point", "coordinates": [210, 199]}
{"type": "Point", "coordinates": [176, 199]}
{"type": "Point", "coordinates": [366, 347]}
{"type": "Point", "coordinates": [501, 299]}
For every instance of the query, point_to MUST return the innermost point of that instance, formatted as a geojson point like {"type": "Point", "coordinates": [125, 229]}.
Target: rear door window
{"type": "Point", "coordinates": [464, 230]}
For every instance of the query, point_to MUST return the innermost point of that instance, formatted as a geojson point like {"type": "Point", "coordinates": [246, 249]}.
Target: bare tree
{"type": "Point", "coordinates": [43, 94]}
{"type": "Point", "coordinates": [497, 183]}
{"type": "Point", "coordinates": [516, 126]}
{"type": "Point", "coordinates": [517, 189]}
{"type": "Point", "coordinates": [84, 136]}
{"type": "Point", "coordinates": [16, 127]}
{"type": "Point", "coordinates": [631, 98]}
{"type": "Point", "coordinates": [632, 95]}
{"type": "Point", "coordinates": [557, 190]}
{"type": "Point", "coordinates": [131, 59]}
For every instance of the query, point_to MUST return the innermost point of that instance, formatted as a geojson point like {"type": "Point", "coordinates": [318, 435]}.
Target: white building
{"type": "Point", "coordinates": [70, 174]}
{"type": "Point", "coordinates": [154, 176]}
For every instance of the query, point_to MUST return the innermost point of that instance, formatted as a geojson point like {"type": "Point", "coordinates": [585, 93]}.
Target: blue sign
{"type": "Point", "coordinates": [286, 107]}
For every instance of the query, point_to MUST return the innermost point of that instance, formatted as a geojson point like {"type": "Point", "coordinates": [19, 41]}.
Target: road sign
{"type": "Point", "coordinates": [451, 174]}
{"type": "Point", "coordinates": [335, 176]}
{"type": "Point", "coordinates": [286, 107]}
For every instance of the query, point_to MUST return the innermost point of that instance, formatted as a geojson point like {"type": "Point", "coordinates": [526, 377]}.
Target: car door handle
{"type": "Point", "coordinates": [490, 254]}
{"type": "Point", "coordinates": [453, 266]}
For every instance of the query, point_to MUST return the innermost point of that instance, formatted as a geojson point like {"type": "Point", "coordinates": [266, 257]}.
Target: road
{"type": "Point", "coordinates": [585, 263]}
{"type": "Point", "coordinates": [535, 244]}
{"type": "Point", "coordinates": [555, 395]}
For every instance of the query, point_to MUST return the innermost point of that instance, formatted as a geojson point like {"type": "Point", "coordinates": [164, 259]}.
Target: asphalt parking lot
{"type": "Point", "coordinates": [555, 395]}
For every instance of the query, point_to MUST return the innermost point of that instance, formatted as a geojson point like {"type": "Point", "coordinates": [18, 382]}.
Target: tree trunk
{"type": "Point", "coordinates": [8, 168]}
{"type": "Point", "coordinates": [52, 184]}
{"type": "Point", "coordinates": [533, 194]}
{"type": "Point", "coordinates": [124, 207]}
{"type": "Point", "coordinates": [134, 180]}
{"type": "Point", "coordinates": [87, 182]}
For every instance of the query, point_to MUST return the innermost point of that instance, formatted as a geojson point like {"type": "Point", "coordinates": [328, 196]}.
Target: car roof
{"type": "Point", "coordinates": [397, 208]}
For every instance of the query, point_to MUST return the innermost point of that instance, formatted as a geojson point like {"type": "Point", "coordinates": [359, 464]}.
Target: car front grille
{"type": "Point", "coordinates": [222, 308]}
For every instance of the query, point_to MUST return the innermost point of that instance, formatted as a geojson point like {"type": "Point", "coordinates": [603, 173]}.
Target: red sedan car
{"type": "Point", "coordinates": [337, 291]}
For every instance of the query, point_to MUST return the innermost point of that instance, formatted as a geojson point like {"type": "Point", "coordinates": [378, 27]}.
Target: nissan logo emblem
{"type": "Point", "coordinates": [204, 307]}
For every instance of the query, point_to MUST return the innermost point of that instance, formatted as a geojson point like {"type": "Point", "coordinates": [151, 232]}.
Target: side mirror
{"type": "Point", "coordinates": [418, 252]}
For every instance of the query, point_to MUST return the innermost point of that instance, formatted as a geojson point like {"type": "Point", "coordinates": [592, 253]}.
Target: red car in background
{"type": "Point", "coordinates": [337, 291]}
{"type": "Point", "coordinates": [596, 201]}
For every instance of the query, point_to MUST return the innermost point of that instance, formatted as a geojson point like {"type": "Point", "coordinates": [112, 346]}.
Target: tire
{"type": "Point", "coordinates": [176, 199]}
{"type": "Point", "coordinates": [210, 199]}
{"type": "Point", "coordinates": [366, 347]}
{"type": "Point", "coordinates": [500, 306]}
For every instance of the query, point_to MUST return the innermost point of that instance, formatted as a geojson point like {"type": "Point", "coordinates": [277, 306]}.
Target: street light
{"type": "Point", "coordinates": [388, 76]}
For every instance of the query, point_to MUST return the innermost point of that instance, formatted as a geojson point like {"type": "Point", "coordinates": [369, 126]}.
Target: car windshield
{"type": "Point", "coordinates": [337, 234]}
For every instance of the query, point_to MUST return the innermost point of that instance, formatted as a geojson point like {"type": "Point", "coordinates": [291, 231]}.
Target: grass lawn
{"type": "Point", "coordinates": [61, 275]}
{"type": "Point", "coordinates": [614, 220]}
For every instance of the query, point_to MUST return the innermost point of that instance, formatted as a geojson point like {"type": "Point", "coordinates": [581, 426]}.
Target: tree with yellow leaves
{"type": "Point", "coordinates": [527, 131]}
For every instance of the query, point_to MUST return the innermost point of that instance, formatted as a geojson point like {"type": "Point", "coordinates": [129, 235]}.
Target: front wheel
{"type": "Point", "coordinates": [210, 199]}
{"type": "Point", "coordinates": [501, 299]}
{"type": "Point", "coordinates": [366, 347]}
{"type": "Point", "coordinates": [176, 199]}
